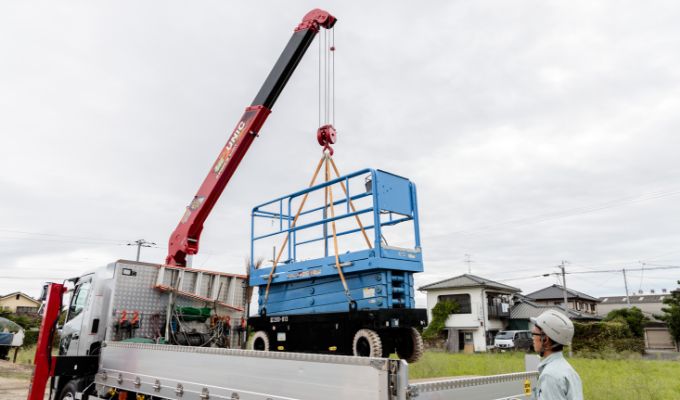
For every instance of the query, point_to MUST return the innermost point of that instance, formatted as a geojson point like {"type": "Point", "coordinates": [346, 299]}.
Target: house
{"type": "Point", "coordinates": [554, 295]}
{"type": "Point", "coordinates": [524, 308]}
{"type": "Point", "coordinates": [657, 336]}
{"type": "Point", "coordinates": [484, 309]}
{"type": "Point", "coordinates": [19, 303]}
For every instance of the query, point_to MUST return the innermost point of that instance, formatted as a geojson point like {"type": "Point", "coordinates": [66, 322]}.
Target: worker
{"type": "Point", "coordinates": [557, 380]}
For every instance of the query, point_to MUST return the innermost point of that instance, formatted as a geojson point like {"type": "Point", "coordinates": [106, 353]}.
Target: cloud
{"type": "Point", "coordinates": [535, 132]}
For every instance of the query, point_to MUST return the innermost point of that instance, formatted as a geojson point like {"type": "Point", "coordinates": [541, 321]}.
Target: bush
{"type": "Point", "coordinates": [30, 339]}
{"type": "Point", "coordinates": [633, 317]}
{"type": "Point", "coordinates": [593, 338]}
{"type": "Point", "coordinates": [25, 321]}
{"type": "Point", "coordinates": [440, 313]}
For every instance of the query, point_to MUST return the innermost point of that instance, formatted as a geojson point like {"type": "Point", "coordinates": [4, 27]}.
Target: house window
{"type": "Point", "coordinates": [463, 301]}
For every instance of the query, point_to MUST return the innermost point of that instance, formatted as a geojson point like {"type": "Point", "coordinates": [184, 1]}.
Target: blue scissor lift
{"type": "Point", "coordinates": [360, 302]}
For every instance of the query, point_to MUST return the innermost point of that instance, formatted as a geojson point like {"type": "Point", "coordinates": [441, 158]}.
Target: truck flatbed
{"type": "Point", "coordinates": [188, 373]}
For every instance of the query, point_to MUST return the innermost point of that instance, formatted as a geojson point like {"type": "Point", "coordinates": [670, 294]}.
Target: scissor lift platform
{"type": "Point", "coordinates": [354, 302]}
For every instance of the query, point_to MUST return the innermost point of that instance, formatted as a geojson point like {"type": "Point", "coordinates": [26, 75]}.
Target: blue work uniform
{"type": "Point", "coordinates": [557, 380]}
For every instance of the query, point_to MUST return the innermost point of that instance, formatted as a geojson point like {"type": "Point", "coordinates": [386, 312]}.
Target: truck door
{"type": "Point", "coordinates": [71, 332]}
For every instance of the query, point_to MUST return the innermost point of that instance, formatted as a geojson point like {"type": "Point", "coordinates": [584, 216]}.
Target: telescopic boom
{"type": "Point", "coordinates": [184, 240]}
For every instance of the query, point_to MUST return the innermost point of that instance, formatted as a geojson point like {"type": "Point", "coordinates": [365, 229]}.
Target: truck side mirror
{"type": "Point", "coordinates": [43, 293]}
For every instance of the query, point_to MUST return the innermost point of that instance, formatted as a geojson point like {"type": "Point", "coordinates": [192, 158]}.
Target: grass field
{"type": "Point", "coordinates": [629, 379]}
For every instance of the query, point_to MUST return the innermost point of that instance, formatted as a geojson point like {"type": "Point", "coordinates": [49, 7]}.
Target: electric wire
{"type": "Point", "coordinates": [539, 218]}
{"type": "Point", "coordinates": [319, 105]}
{"type": "Point", "coordinates": [333, 71]}
{"type": "Point", "coordinates": [610, 271]}
{"type": "Point", "coordinates": [325, 64]}
{"type": "Point", "coordinates": [60, 236]}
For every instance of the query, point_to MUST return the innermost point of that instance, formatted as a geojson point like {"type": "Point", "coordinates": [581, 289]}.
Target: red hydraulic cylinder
{"type": "Point", "coordinates": [43, 360]}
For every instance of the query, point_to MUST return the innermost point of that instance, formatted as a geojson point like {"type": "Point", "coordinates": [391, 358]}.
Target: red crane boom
{"type": "Point", "coordinates": [185, 239]}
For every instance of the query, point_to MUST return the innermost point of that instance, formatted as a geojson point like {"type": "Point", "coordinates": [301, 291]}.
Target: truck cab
{"type": "Point", "coordinates": [85, 325]}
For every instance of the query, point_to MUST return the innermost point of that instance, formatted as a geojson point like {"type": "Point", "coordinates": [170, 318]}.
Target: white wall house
{"type": "Point", "coordinates": [484, 310]}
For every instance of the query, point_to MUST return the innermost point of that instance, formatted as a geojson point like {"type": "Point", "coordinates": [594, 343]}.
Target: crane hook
{"type": "Point", "coordinates": [326, 136]}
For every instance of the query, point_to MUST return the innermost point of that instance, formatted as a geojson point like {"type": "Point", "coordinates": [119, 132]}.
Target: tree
{"type": "Point", "coordinates": [633, 317]}
{"type": "Point", "coordinates": [671, 313]}
{"type": "Point", "coordinates": [440, 312]}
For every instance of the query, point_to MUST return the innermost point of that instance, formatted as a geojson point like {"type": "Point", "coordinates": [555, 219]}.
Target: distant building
{"type": "Point", "coordinates": [554, 296]}
{"type": "Point", "coordinates": [524, 308]}
{"type": "Point", "coordinates": [657, 336]}
{"type": "Point", "coordinates": [484, 310]}
{"type": "Point", "coordinates": [19, 303]}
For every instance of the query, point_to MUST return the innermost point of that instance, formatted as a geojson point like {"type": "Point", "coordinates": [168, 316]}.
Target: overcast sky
{"type": "Point", "coordinates": [536, 131]}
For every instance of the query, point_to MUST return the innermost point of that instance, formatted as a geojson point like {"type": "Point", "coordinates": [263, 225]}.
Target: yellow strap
{"type": "Point", "coordinates": [351, 204]}
{"type": "Point", "coordinates": [285, 241]}
{"type": "Point", "coordinates": [335, 240]}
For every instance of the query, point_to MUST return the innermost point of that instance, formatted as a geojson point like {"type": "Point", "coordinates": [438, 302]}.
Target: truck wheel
{"type": "Point", "coordinates": [68, 392]}
{"type": "Point", "coordinates": [367, 343]}
{"type": "Point", "coordinates": [260, 341]}
{"type": "Point", "coordinates": [410, 346]}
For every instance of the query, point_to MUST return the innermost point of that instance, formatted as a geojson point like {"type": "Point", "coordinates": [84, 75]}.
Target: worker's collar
{"type": "Point", "coordinates": [547, 360]}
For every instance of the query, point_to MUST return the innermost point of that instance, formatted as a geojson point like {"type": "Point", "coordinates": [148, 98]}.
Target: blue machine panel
{"type": "Point", "coordinates": [371, 291]}
{"type": "Point", "coordinates": [394, 193]}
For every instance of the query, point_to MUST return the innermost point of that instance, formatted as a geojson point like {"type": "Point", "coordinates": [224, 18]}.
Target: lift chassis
{"type": "Point", "coordinates": [335, 333]}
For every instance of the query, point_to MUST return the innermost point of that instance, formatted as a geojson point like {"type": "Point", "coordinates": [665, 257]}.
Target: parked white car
{"type": "Point", "coordinates": [513, 340]}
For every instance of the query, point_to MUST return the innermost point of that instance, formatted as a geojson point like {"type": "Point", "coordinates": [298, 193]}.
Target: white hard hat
{"type": "Point", "coordinates": [557, 326]}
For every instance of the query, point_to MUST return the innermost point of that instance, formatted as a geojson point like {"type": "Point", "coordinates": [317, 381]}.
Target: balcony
{"type": "Point", "coordinates": [501, 310]}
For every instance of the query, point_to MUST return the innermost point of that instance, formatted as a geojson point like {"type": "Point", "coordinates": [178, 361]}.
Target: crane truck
{"type": "Point", "coordinates": [146, 331]}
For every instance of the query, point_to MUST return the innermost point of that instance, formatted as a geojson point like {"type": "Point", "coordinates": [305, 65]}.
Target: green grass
{"type": "Point", "coordinates": [603, 379]}
{"type": "Point", "coordinates": [25, 356]}
{"type": "Point", "coordinates": [22, 369]}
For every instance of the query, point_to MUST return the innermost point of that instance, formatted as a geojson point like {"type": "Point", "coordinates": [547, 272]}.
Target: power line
{"type": "Point", "coordinates": [61, 236]}
{"type": "Point", "coordinates": [569, 212]}
{"type": "Point", "coordinates": [617, 271]}
{"type": "Point", "coordinates": [27, 278]}
{"type": "Point", "coordinates": [56, 240]}
{"type": "Point", "coordinates": [627, 269]}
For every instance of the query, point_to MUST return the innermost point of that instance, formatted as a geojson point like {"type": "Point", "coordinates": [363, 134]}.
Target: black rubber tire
{"type": "Point", "coordinates": [259, 342]}
{"type": "Point", "coordinates": [410, 346]}
{"type": "Point", "coordinates": [68, 392]}
{"type": "Point", "coordinates": [367, 343]}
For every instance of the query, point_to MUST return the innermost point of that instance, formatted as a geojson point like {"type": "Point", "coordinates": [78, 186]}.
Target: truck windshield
{"type": "Point", "coordinates": [504, 335]}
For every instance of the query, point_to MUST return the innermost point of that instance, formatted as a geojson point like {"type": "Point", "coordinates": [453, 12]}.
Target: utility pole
{"type": "Point", "coordinates": [141, 243]}
{"type": "Point", "coordinates": [625, 283]}
{"type": "Point", "coordinates": [468, 261]}
{"type": "Point", "coordinates": [564, 285]}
